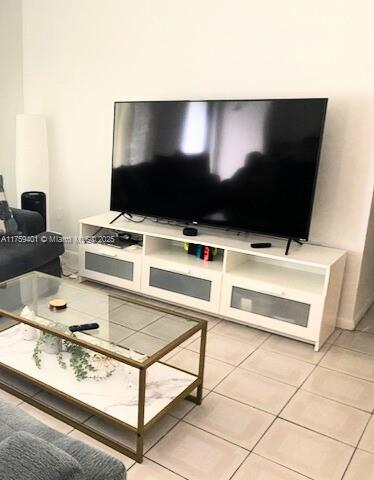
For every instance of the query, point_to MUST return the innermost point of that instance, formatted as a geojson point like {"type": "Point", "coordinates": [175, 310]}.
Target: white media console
{"type": "Point", "coordinates": [295, 295]}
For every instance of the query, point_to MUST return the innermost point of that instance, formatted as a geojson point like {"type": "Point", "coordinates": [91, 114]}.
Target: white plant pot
{"type": "Point", "coordinates": [29, 333]}
{"type": "Point", "coordinates": [51, 344]}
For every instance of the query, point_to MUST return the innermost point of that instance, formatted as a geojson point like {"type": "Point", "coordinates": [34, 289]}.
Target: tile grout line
{"type": "Point", "coordinates": [243, 403]}
{"type": "Point", "coordinates": [162, 466]}
{"type": "Point", "coordinates": [256, 347]}
{"type": "Point", "coordinates": [355, 449]}
{"type": "Point", "coordinates": [300, 388]}
{"type": "Point", "coordinates": [210, 391]}
{"type": "Point", "coordinates": [287, 468]}
{"type": "Point", "coordinates": [182, 420]}
{"type": "Point", "coordinates": [217, 436]}
{"type": "Point", "coordinates": [273, 378]}
{"type": "Point", "coordinates": [224, 361]}
{"type": "Point", "coordinates": [238, 340]}
{"type": "Point", "coordinates": [274, 419]}
{"type": "Point", "coordinates": [292, 422]}
{"type": "Point", "coordinates": [363, 449]}
{"type": "Point", "coordinates": [240, 465]}
{"type": "Point", "coordinates": [355, 350]}
{"type": "Point", "coordinates": [303, 389]}
{"type": "Point", "coordinates": [350, 349]}
{"type": "Point", "coordinates": [345, 373]}
{"type": "Point", "coordinates": [224, 378]}
{"type": "Point", "coordinates": [360, 331]}
{"type": "Point", "coordinates": [272, 423]}
{"type": "Point", "coordinates": [294, 357]}
{"type": "Point", "coordinates": [306, 378]}
{"type": "Point", "coordinates": [162, 436]}
{"type": "Point", "coordinates": [285, 405]}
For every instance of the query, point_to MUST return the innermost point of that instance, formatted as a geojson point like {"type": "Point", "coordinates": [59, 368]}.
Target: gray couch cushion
{"type": "Point", "coordinates": [17, 420]}
{"type": "Point", "coordinates": [5, 432]}
{"type": "Point", "coordinates": [29, 223]}
{"type": "Point", "coordinates": [8, 226]}
{"type": "Point", "coordinates": [26, 457]}
{"type": "Point", "coordinates": [19, 258]}
{"type": "Point", "coordinates": [96, 465]}
{"type": "Point", "coordinates": [99, 465]}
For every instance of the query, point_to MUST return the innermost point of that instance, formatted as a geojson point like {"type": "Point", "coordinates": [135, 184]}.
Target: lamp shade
{"type": "Point", "coordinates": [32, 163]}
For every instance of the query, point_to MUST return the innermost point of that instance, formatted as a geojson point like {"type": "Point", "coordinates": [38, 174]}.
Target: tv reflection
{"type": "Point", "coordinates": [246, 164]}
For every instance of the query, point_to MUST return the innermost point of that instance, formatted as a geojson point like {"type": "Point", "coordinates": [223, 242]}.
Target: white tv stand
{"type": "Point", "coordinates": [295, 295]}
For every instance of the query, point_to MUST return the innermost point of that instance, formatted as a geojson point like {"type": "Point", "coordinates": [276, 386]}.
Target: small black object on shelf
{"type": "Point", "coordinates": [123, 236]}
{"type": "Point", "coordinates": [125, 239]}
{"type": "Point", "coordinates": [261, 245]}
{"type": "Point", "coordinates": [190, 231]}
{"type": "Point", "coordinates": [119, 243]}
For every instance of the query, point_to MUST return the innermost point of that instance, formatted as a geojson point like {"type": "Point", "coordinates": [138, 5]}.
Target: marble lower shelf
{"type": "Point", "coordinates": [116, 396]}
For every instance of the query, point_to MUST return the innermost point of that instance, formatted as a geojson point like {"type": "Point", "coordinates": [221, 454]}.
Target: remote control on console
{"type": "Point", "coordinates": [261, 245]}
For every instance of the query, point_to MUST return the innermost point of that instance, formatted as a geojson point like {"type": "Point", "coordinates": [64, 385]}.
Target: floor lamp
{"type": "Point", "coordinates": [32, 161]}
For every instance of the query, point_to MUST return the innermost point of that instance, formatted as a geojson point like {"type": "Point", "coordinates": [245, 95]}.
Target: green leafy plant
{"type": "Point", "coordinates": [60, 360]}
{"type": "Point", "coordinates": [37, 352]}
{"type": "Point", "coordinates": [80, 359]}
{"type": "Point", "coordinates": [43, 338]}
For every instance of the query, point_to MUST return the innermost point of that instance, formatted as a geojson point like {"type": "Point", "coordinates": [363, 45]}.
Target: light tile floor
{"type": "Point", "coordinates": [273, 410]}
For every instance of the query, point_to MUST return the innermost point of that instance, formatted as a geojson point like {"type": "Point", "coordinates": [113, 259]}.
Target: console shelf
{"type": "Point", "coordinates": [295, 295]}
{"type": "Point", "coordinates": [176, 257]}
{"type": "Point", "coordinates": [171, 251]}
{"type": "Point", "coordinates": [280, 278]}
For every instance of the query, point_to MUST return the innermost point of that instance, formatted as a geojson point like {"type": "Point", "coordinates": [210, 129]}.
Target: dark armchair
{"type": "Point", "coordinates": [19, 255]}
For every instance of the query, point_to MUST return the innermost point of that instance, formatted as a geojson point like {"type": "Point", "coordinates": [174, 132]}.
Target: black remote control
{"type": "Point", "coordinates": [261, 245]}
{"type": "Point", "coordinates": [84, 326]}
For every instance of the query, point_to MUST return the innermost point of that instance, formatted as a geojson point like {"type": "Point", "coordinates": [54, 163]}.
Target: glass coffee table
{"type": "Point", "coordinates": [117, 372]}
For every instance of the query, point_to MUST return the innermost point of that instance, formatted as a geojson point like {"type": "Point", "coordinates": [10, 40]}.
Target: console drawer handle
{"type": "Point", "coordinates": [276, 293]}
{"type": "Point", "coordinates": [107, 254]}
{"type": "Point", "coordinates": [180, 271]}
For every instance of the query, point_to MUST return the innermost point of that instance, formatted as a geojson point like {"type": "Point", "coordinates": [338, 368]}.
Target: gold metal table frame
{"type": "Point", "coordinates": [137, 453]}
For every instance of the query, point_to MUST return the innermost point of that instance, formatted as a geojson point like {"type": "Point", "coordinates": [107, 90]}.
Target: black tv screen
{"type": "Point", "coordinates": [243, 164]}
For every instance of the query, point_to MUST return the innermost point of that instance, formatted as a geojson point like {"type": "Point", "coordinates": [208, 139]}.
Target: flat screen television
{"type": "Point", "coordinates": [248, 165]}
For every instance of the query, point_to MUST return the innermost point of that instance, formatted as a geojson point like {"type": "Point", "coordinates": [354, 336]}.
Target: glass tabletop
{"type": "Point", "coordinates": [126, 328]}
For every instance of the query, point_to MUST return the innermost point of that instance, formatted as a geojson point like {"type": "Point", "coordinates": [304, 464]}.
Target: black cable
{"type": "Point", "coordinates": [132, 220]}
{"type": "Point", "coordinates": [166, 221]}
{"type": "Point", "coordinates": [127, 218]}
{"type": "Point", "coordinates": [97, 231]}
{"type": "Point", "coordinates": [154, 220]}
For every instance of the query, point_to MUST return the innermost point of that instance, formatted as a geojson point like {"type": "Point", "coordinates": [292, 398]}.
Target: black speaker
{"type": "Point", "coordinates": [36, 202]}
{"type": "Point", "coordinates": [190, 231]}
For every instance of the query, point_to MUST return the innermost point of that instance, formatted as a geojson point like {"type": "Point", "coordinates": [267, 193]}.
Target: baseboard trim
{"type": "Point", "coordinates": [361, 313]}
{"type": "Point", "coordinates": [345, 323]}
{"type": "Point", "coordinates": [351, 323]}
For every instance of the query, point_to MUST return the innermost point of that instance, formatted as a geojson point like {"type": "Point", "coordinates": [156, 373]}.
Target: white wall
{"type": "Point", "coordinates": [82, 55]}
{"type": "Point", "coordinates": [11, 98]}
{"type": "Point", "coordinates": [365, 294]}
